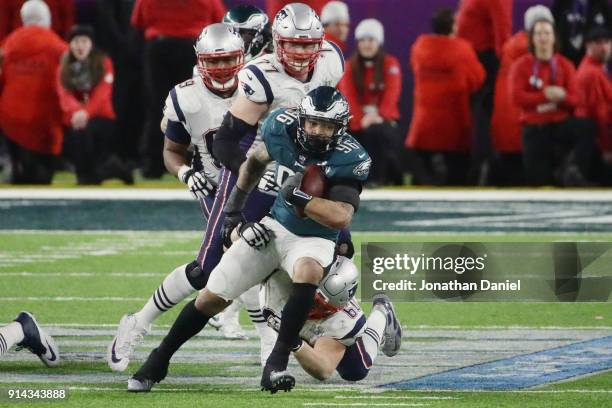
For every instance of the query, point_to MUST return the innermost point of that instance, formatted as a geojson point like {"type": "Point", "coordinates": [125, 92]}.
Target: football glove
{"type": "Point", "coordinates": [256, 234]}
{"type": "Point", "coordinates": [233, 214]}
{"type": "Point", "coordinates": [198, 184]}
{"type": "Point", "coordinates": [291, 191]}
{"type": "Point", "coordinates": [267, 183]}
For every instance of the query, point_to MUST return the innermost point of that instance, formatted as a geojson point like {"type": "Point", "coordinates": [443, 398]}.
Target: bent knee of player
{"type": "Point", "coordinates": [356, 373]}
{"type": "Point", "coordinates": [307, 270]}
{"type": "Point", "coordinates": [209, 304]}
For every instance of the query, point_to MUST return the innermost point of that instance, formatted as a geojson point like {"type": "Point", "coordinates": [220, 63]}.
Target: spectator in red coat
{"type": "Point", "coordinates": [446, 73]}
{"type": "Point", "coordinates": [30, 115]}
{"type": "Point", "coordinates": [62, 16]}
{"type": "Point", "coordinates": [372, 84]}
{"type": "Point", "coordinates": [85, 89]}
{"type": "Point", "coordinates": [596, 88]}
{"type": "Point", "coordinates": [336, 22]}
{"type": "Point", "coordinates": [507, 162]}
{"type": "Point", "coordinates": [486, 24]}
{"type": "Point", "coordinates": [274, 6]}
{"type": "Point", "coordinates": [170, 30]}
{"type": "Point", "coordinates": [543, 85]}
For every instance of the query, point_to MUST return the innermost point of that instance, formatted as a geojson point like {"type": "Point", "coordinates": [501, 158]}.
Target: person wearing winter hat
{"type": "Point", "coordinates": [336, 22]}
{"type": "Point", "coordinates": [507, 162]}
{"type": "Point", "coordinates": [85, 89]}
{"type": "Point", "coordinates": [372, 84]}
{"type": "Point", "coordinates": [59, 19]}
{"type": "Point", "coordinates": [33, 130]}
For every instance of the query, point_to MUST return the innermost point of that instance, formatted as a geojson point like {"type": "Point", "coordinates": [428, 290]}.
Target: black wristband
{"type": "Point", "coordinates": [236, 200]}
{"type": "Point", "coordinates": [299, 198]}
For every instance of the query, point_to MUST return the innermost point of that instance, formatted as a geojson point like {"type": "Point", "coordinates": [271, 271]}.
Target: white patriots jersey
{"type": "Point", "coordinates": [345, 325]}
{"type": "Point", "coordinates": [201, 112]}
{"type": "Point", "coordinates": [264, 80]}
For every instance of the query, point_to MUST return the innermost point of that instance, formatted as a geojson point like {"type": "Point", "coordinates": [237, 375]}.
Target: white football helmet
{"type": "Point", "coordinates": [337, 287]}
{"type": "Point", "coordinates": [220, 54]}
{"type": "Point", "coordinates": [297, 23]}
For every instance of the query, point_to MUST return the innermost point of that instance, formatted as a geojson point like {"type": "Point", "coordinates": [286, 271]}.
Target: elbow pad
{"type": "Point", "coordinates": [226, 145]}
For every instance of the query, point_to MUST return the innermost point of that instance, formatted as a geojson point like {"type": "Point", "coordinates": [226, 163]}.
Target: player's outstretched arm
{"type": "Point", "coordinates": [241, 119]}
{"type": "Point", "coordinates": [253, 168]}
{"type": "Point", "coordinates": [322, 360]}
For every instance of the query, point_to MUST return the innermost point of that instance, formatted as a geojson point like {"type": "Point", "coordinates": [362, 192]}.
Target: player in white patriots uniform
{"type": "Point", "coordinates": [302, 61]}
{"type": "Point", "coordinates": [336, 336]}
{"type": "Point", "coordinates": [193, 112]}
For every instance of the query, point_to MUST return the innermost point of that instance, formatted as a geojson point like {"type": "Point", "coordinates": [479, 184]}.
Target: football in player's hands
{"type": "Point", "coordinates": [313, 183]}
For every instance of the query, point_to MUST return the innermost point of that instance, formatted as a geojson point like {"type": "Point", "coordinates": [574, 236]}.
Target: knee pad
{"type": "Point", "coordinates": [196, 276]}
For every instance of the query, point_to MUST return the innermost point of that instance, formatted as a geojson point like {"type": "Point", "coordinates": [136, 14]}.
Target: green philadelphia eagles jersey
{"type": "Point", "coordinates": [348, 160]}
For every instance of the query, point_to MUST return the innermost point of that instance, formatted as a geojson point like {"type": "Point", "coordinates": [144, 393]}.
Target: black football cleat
{"type": "Point", "coordinates": [37, 340]}
{"type": "Point", "coordinates": [152, 371]}
{"type": "Point", "coordinates": [275, 381]}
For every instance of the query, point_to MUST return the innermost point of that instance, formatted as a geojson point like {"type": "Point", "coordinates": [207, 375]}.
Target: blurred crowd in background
{"type": "Point", "coordinates": [83, 83]}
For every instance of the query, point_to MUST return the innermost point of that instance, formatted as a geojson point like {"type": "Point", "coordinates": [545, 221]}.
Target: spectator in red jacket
{"type": "Point", "coordinates": [372, 84]}
{"type": "Point", "coordinates": [486, 24]}
{"type": "Point", "coordinates": [507, 163]}
{"type": "Point", "coordinates": [336, 22]}
{"type": "Point", "coordinates": [85, 89]}
{"type": "Point", "coordinates": [62, 16]}
{"type": "Point", "coordinates": [543, 85]}
{"type": "Point", "coordinates": [446, 73]}
{"type": "Point", "coordinates": [30, 115]}
{"type": "Point", "coordinates": [596, 88]}
{"type": "Point", "coordinates": [170, 29]}
{"type": "Point", "coordinates": [274, 6]}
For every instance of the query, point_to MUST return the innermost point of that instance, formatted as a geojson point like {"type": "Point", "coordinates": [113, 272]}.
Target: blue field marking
{"type": "Point", "coordinates": [524, 371]}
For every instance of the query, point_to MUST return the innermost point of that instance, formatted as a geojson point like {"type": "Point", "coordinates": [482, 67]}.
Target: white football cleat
{"type": "Point", "coordinates": [130, 334]}
{"type": "Point", "coordinates": [392, 336]}
{"type": "Point", "coordinates": [37, 340]}
{"type": "Point", "coordinates": [233, 331]}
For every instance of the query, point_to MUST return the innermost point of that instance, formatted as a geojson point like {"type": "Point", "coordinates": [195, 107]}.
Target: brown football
{"type": "Point", "coordinates": [313, 183]}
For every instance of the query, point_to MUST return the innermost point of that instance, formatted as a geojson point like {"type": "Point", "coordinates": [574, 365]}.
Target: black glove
{"type": "Point", "coordinates": [291, 192]}
{"type": "Point", "coordinates": [256, 234]}
{"type": "Point", "coordinates": [233, 214]}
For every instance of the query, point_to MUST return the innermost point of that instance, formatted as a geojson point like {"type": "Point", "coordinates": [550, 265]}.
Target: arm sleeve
{"type": "Point", "coordinates": [527, 99]}
{"type": "Point", "coordinates": [345, 190]}
{"type": "Point", "coordinates": [393, 89]}
{"type": "Point", "coordinates": [571, 86]}
{"type": "Point", "coordinates": [475, 73]}
{"type": "Point", "coordinates": [226, 146]}
{"type": "Point", "coordinates": [176, 132]}
{"type": "Point", "coordinates": [68, 103]}
{"type": "Point", "coordinates": [102, 94]}
{"type": "Point", "coordinates": [501, 17]}
{"type": "Point", "coordinates": [347, 87]}
{"type": "Point", "coordinates": [254, 85]}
